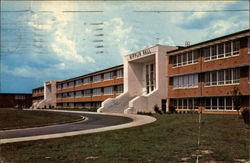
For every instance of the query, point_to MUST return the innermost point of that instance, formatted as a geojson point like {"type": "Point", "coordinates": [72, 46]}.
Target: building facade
{"type": "Point", "coordinates": [87, 91]}
{"type": "Point", "coordinates": [198, 77]}
{"type": "Point", "coordinates": [15, 100]}
{"type": "Point", "coordinates": [202, 76]}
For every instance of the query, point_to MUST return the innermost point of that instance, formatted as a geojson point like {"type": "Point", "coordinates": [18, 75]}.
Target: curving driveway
{"type": "Point", "coordinates": [93, 122]}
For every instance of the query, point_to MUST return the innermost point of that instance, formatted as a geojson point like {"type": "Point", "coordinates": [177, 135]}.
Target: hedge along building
{"type": "Point", "coordinates": [145, 82]}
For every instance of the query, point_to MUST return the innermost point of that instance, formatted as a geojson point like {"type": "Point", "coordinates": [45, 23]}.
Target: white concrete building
{"type": "Point", "coordinates": [145, 82]}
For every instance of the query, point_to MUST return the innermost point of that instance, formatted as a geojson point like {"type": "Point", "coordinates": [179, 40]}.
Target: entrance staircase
{"type": "Point", "coordinates": [116, 105]}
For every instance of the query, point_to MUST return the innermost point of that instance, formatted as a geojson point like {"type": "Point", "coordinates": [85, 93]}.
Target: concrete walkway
{"type": "Point", "coordinates": [95, 122]}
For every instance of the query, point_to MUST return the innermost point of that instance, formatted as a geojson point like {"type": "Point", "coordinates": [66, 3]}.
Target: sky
{"type": "Point", "coordinates": [58, 40]}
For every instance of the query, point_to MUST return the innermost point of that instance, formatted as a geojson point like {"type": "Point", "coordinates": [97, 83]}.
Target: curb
{"type": "Point", "coordinates": [138, 120]}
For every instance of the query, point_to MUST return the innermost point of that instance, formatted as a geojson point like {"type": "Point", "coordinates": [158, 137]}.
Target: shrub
{"type": "Point", "coordinates": [157, 109]}
{"type": "Point", "coordinates": [245, 115]}
{"type": "Point", "coordinates": [144, 113]}
{"type": "Point", "coordinates": [172, 109]}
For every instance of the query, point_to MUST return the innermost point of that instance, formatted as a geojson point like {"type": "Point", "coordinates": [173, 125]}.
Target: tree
{"type": "Point", "coordinates": [236, 97]}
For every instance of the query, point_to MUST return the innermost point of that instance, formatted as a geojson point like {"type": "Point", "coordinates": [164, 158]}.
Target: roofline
{"type": "Point", "coordinates": [38, 87]}
{"type": "Point", "coordinates": [150, 48]}
{"type": "Point", "coordinates": [208, 41]}
{"type": "Point", "coordinates": [92, 73]}
{"type": "Point", "coordinates": [15, 93]}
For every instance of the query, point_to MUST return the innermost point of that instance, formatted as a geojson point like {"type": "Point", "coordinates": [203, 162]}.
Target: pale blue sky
{"type": "Point", "coordinates": [43, 41]}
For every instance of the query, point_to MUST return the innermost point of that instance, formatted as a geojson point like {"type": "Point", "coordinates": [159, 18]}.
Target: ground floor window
{"type": "Point", "coordinates": [219, 103]}
{"type": "Point", "coordinates": [119, 89]}
{"type": "Point", "coordinates": [185, 103]}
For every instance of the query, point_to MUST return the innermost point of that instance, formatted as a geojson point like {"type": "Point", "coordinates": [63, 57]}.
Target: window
{"type": "Point", "coordinates": [59, 86]}
{"type": "Point", "coordinates": [219, 103]}
{"type": "Point", "coordinates": [64, 95]}
{"type": "Point", "coordinates": [78, 82]}
{"type": "Point", "coordinates": [228, 76]}
{"type": "Point", "coordinates": [119, 89]}
{"type": "Point", "coordinates": [186, 81]}
{"type": "Point", "coordinates": [195, 56]}
{"type": "Point", "coordinates": [87, 93]}
{"type": "Point", "coordinates": [59, 95]}
{"type": "Point", "coordinates": [78, 93]}
{"type": "Point", "coordinates": [97, 92]}
{"type": "Point", "coordinates": [185, 58]}
{"type": "Point", "coordinates": [119, 73]}
{"type": "Point", "coordinates": [222, 50]}
{"type": "Point", "coordinates": [65, 85]}
{"type": "Point", "coordinates": [236, 75]}
{"type": "Point", "coordinates": [185, 103]}
{"type": "Point", "coordinates": [108, 91]}
{"type": "Point", "coordinates": [108, 76]}
{"type": "Point", "coordinates": [229, 103]}
{"type": "Point", "coordinates": [207, 79]}
{"type": "Point", "coordinates": [179, 60]}
{"type": "Point", "coordinates": [71, 94]}
{"type": "Point", "coordinates": [228, 49]}
{"type": "Point", "coordinates": [174, 60]}
{"type": "Point", "coordinates": [86, 80]}
{"type": "Point", "coordinates": [214, 52]}
{"type": "Point", "coordinates": [71, 84]}
{"type": "Point", "coordinates": [214, 103]}
{"type": "Point", "coordinates": [222, 77]}
{"type": "Point", "coordinates": [96, 78]}
{"type": "Point", "coordinates": [236, 47]}
{"type": "Point", "coordinates": [19, 97]}
{"type": "Point", "coordinates": [214, 77]}
{"type": "Point", "coordinates": [206, 52]}
{"type": "Point", "coordinates": [190, 57]}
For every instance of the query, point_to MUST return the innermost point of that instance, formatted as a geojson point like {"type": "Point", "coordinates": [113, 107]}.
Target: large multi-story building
{"type": "Point", "coordinates": [198, 77]}
{"type": "Point", "coordinates": [87, 91]}
{"type": "Point", "coordinates": [202, 76]}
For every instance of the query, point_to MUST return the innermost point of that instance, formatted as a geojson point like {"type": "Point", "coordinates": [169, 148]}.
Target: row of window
{"type": "Point", "coordinates": [219, 103]}
{"type": "Point", "coordinates": [218, 51]}
{"type": "Point", "coordinates": [186, 81]}
{"type": "Point", "coordinates": [92, 92]}
{"type": "Point", "coordinates": [79, 105]}
{"type": "Point", "coordinates": [211, 103]}
{"type": "Point", "coordinates": [95, 79]}
{"type": "Point", "coordinates": [19, 97]}
{"type": "Point", "coordinates": [38, 91]}
{"type": "Point", "coordinates": [185, 59]}
{"type": "Point", "coordinates": [222, 77]}
{"type": "Point", "coordinates": [222, 50]}
{"type": "Point", "coordinates": [185, 103]}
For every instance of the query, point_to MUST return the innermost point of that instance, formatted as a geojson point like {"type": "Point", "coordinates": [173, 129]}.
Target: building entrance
{"type": "Point", "coordinates": [150, 77]}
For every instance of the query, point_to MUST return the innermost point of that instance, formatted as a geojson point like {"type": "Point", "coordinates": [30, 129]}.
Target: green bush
{"type": "Point", "coordinates": [157, 109]}
{"type": "Point", "coordinates": [172, 109]}
{"type": "Point", "coordinates": [245, 115]}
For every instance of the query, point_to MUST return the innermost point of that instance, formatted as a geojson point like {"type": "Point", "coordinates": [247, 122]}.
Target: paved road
{"type": "Point", "coordinates": [93, 121]}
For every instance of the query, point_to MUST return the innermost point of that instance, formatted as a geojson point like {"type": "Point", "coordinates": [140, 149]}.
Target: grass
{"type": "Point", "coordinates": [172, 138]}
{"type": "Point", "coordinates": [13, 118]}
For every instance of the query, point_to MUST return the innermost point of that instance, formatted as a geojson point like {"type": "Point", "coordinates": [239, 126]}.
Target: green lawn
{"type": "Point", "coordinates": [171, 138]}
{"type": "Point", "coordinates": [13, 118]}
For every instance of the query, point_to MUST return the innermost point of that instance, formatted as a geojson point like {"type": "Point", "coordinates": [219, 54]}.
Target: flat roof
{"type": "Point", "coordinates": [15, 93]}
{"type": "Point", "coordinates": [246, 31]}
{"type": "Point", "coordinates": [92, 73]}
